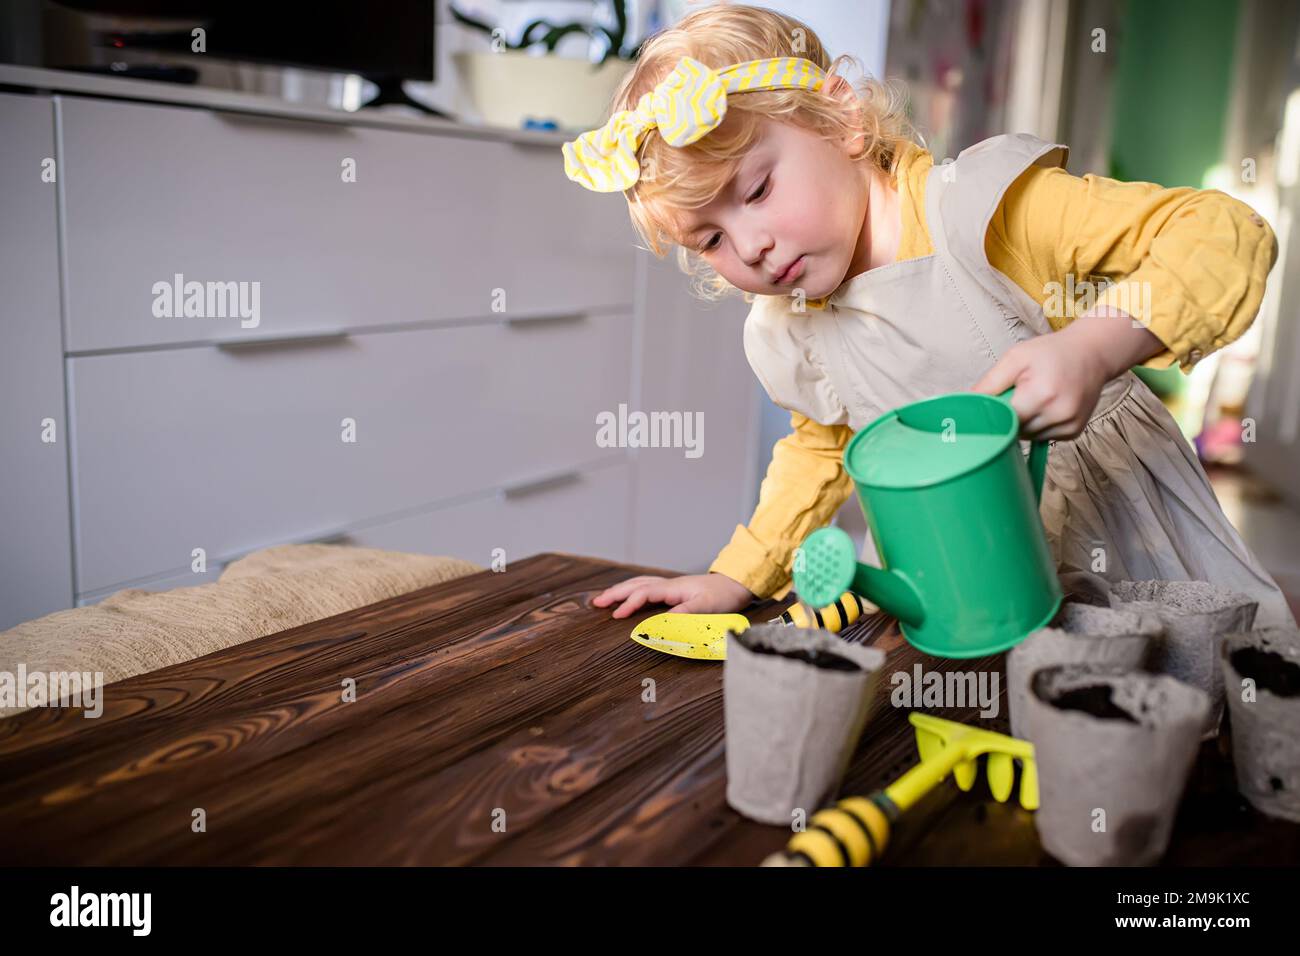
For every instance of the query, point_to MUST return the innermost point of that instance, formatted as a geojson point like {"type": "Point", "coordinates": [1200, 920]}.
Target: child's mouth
{"type": "Point", "coordinates": [793, 272]}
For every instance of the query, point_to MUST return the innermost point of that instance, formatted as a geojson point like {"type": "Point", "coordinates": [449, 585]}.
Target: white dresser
{"type": "Point", "coordinates": [441, 317]}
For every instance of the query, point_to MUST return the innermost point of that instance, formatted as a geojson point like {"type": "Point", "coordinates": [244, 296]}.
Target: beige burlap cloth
{"type": "Point", "coordinates": [134, 632]}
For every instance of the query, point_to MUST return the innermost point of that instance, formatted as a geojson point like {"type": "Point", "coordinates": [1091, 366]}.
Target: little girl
{"type": "Point", "coordinates": [877, 279]}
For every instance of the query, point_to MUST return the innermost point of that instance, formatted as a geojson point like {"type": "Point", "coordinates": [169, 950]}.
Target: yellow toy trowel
{"type": "Point", "coordinates": [855, 831]}
{"type": "Point", "coordinates": [703, 637]}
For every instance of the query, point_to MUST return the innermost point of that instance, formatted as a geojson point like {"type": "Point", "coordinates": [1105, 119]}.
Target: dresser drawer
{"type": "Point", "coordinates": [578, 511]}
{"type": "Point", "coordinates": [434, 227]}
{"type": "Point", "coordinates": [582, 511]}
{"type": "Point", "coordinates": [233, 449]}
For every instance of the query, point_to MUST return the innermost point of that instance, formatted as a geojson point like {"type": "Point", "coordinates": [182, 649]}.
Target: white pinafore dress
{"type": "Point", "coordinates": [1125, 500]}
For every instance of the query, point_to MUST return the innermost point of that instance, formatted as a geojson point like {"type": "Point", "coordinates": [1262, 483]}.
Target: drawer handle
{"type": "Point", "coordinates": [519, 321]}
{"type": "Point", "coordinates": [288, 338]}
{"type": "Point", "coordinates": [306, 124]}
{"type": "Point", "coordinates": [540, 484]}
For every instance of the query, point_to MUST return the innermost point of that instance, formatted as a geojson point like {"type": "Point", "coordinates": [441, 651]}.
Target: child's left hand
{"type": "Point", "coordinates": [1059, 377]}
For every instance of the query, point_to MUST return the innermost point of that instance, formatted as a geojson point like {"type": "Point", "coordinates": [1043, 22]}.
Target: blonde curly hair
{"type": "Point", "coordinates": [689, 177]}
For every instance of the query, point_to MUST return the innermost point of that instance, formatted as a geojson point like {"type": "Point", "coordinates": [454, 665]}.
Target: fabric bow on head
{"type": "Point", "coordinates": [689, 103]}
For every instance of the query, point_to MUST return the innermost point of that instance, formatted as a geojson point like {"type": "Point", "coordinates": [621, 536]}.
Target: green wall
{"type": "Point", "coordinates": [1173, 78]}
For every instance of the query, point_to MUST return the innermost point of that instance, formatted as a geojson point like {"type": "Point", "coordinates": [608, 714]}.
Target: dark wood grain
{"type": "Point", "coordinates": [493, 692]}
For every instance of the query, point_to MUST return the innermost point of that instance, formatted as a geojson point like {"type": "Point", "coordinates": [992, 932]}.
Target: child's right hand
{"type": "Point", "coordinates": [712, 593]}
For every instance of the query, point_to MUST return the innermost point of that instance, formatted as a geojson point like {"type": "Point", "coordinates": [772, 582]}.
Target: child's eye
{"type": "Point", "coordinates": [759, 192]}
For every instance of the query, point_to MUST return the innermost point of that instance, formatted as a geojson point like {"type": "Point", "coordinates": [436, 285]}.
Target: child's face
{"type": "Point", "coordinates": [794, 198]}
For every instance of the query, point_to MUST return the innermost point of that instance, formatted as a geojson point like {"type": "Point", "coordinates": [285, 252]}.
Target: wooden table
{"type": "Point", "coordinates": [499, 719]}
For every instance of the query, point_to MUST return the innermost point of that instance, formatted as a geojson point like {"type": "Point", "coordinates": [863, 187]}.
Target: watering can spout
{"type": "Point", "coordinates": [828, 565]}
{"type": "Point", "coordinates": [890, 591]}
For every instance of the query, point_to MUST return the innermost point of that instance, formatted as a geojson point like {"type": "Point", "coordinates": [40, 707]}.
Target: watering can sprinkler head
{"type": "Point", "coordinates": [827, 566]}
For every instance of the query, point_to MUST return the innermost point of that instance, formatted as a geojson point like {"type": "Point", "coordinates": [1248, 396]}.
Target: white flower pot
{"type": "Point", "coordinates": [506, 88]}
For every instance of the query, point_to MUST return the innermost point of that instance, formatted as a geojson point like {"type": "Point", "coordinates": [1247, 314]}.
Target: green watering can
{"type": "Point", "coordinates": [954, 514]}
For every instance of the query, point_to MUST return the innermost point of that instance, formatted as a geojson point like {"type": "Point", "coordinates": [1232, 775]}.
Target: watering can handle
{"type": "Point", "coordinates": [1037, 456]}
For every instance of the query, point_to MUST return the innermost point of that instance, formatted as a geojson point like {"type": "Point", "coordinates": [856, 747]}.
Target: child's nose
{"type": "Point", "coordinates": [758, 253]}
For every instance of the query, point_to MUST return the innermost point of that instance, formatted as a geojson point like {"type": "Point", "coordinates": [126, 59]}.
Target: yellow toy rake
{"type": "Point", "coordinates": [855, 831]}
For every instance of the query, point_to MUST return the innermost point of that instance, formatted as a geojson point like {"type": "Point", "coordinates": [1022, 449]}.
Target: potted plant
{"type": "Point", "coordinates": [519, 80]}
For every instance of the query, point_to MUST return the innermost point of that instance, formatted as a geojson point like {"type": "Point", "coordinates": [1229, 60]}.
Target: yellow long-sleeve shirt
{"type": "Point", "coordinates": [1190, 263]}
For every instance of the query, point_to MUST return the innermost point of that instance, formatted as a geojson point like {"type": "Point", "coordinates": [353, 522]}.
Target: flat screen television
{"type": "Point", "coordinates": [385, 41]}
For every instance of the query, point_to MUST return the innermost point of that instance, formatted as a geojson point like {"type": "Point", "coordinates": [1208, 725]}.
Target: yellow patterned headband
{"type": "Point", "coordinates": [689, 103]}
